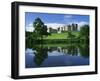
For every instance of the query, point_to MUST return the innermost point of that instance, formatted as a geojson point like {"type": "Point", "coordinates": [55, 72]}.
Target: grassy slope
{"type": "Point", "coordinates": [60, 35]}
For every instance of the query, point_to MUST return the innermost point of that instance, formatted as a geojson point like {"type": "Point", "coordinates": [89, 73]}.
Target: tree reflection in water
{"type": "Point", "coordinates": [40, 54]}
{"type": "Point", "coordinates": [42, 51]}
{"type": "Point", "coordinates": [84, 50]}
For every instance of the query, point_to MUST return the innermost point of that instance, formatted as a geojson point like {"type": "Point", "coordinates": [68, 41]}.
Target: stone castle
{"type": "Point", "coordinates": [70, 27]}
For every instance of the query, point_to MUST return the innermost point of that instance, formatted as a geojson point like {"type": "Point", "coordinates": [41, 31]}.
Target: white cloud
{"type": "Point", "coordinates": [80, 24]}
{"type": "Point", "coordinates": [68, 16]}
{"type": "Point", "coordinates": [29, 29]}
{"type": "Point", "coordinates": [30, 24]}
{"type": "Point", "coordinates": [54, 25]}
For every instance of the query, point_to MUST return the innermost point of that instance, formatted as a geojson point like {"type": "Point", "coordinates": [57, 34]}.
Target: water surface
{"type": "Point", "coordinates": [56, 55]}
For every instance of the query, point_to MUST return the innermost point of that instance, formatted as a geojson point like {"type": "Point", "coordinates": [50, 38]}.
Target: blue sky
{"type": "Point", "coordinates": [55, 19]}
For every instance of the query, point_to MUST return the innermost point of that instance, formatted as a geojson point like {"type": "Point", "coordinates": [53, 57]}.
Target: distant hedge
{"type": "Point", "coordinates": [54, 41]}
{"type": "Point", "coordinates": [57, 41]}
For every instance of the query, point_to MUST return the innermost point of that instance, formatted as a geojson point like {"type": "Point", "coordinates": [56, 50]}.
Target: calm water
{"type": "Point", "coordinates": [56, 55]}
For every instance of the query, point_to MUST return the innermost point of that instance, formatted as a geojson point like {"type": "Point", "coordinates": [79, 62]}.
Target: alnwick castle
{"type": "Point", "coordinates": [70, 27]}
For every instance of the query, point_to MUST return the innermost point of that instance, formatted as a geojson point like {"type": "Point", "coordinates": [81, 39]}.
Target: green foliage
{"type": "Point", "coordinates": [30, 35]}
{"type": "Point", "coordinates": [38, 25]}
{"type": "Point", "coordinates": [40, 28]}
{"type": "Point", "coordinates": [84, 32]}
{"type": "Point", "coordinates": [30, 39]}
{"type": "Point", "coordinates": [60, 41]}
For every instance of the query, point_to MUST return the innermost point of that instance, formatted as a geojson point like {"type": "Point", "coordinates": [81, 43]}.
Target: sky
{"type": "Point", "coordinates": [54, 20]}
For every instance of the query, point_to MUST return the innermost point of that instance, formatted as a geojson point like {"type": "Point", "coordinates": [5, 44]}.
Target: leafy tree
{"type": "Point", "coordinates": [84, 32]}
{"type": "Point", "coordinates": [30, 39]}
{"type": "Point", "coordinates": [40, 28]}
{"type": "Point", "coordinates": [44, 31]}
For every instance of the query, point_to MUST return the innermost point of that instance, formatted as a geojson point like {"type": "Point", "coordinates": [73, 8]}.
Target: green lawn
{"type": "Point", "coordinates": [75, 33]}
{"type": "Point", "coordinates": [57, 36]}
{"type": "Point", "coordinates": [60, 35]}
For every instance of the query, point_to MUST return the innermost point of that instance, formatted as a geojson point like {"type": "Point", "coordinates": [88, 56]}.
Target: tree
{"type": "Point", "coordinates": [44, 31]}
{"type": "Point", "coordinates": [40, 28]}
{"type": "Point", "coordinates": [84, 32]}
{"type": "Point", "coordinates": [30, 39]}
